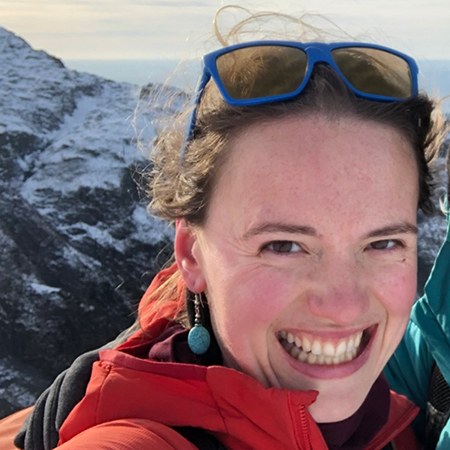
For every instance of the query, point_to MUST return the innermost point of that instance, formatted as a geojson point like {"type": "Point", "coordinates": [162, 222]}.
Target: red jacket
{"type": "Point", "coordinates": [132, 403]}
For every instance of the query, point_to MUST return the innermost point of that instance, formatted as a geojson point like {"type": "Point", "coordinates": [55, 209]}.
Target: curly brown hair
{"type": "Point", "coordinates": [184, 190]}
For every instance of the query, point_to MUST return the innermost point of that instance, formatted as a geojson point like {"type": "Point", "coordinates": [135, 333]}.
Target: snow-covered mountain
{"type": "Point", "coordinates": [77, 247]}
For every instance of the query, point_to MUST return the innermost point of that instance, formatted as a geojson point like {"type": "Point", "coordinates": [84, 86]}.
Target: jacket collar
{"type": "Point", "coordinates": [234, 407]}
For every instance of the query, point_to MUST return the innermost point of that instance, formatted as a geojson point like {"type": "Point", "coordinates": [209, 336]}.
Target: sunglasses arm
{"type": "Point", "coordinates": [190, 123]}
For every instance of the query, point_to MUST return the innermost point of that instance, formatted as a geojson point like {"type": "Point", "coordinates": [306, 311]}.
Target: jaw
{"type": "Point", "coordinates": [342, 387]}
{"type": "Point", "coordinates": [289, 372]}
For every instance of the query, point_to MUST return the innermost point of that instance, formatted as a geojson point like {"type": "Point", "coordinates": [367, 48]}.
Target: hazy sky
{"type": "Point", "coordinates": [150, 29]}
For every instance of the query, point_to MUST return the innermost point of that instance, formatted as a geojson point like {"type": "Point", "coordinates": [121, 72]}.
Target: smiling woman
{"type": "Point", "coordinates": [312, 286]}
{"type": "Point", "coordinates": [295, 201]}
{"type": "Point", "coordinates": [294, 191]}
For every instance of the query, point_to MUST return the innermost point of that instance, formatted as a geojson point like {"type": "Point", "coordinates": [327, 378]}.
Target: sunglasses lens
{"type": "Point", "coordinates": [262, 71]}
{"type": "Point", "coordinates": [374, 71]}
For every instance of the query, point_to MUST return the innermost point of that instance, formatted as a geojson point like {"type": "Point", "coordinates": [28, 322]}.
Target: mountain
{"type": "Point", "coordinates": [77, 245]}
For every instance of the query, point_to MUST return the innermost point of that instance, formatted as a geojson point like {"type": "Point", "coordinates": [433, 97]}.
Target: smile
{"type": "Point", "coordinates": [314, 350]}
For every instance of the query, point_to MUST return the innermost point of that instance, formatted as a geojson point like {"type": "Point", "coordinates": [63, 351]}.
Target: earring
{"type": "Point", "coordinates": [199, 339]}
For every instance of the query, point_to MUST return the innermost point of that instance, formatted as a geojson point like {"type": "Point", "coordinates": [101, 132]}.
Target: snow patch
{"type": "Point", "coordinates": [43, 289]}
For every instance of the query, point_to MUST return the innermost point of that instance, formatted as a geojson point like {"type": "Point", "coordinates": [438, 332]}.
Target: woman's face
{"type": "Point", "coordinates": [308, 256]}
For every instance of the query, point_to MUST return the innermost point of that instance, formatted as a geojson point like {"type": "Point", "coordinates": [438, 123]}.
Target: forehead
{"type": "Point", "coordinates": [319, 165]}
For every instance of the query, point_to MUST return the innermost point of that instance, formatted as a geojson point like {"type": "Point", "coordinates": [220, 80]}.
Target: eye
{"type": "Point", "coordinates": [385, 244]}
{"type": "Point", "coordinates": [282, 247]}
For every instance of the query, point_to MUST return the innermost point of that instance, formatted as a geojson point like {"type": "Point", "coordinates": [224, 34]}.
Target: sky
{"type": "Point", "coordinates": [156, 29]}
{"type": "Point", "coordinates": [143, 30]}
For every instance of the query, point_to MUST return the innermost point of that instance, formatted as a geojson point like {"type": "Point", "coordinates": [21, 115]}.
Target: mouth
{"type": "Point", "coordinates": [313, 350]}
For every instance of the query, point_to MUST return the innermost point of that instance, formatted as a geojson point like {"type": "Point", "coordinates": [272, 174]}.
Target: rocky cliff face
{"type": "Point", "coordinates": [77, 247]}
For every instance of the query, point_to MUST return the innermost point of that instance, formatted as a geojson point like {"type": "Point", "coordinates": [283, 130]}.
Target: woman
{"type": "Point", "coordinates": [294, 192]}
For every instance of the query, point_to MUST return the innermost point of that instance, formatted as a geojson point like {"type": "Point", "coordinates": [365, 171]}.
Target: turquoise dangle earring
{"type": "Point", "coordinates": [199, 339]}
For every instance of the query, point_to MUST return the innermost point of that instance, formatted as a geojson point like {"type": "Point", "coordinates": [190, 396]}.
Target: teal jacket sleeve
{"type": "Point", "coordinates": [427, 340]}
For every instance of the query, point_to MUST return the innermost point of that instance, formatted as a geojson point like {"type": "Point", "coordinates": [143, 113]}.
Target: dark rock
{"type": "Point", "coordinates": [77, 246]}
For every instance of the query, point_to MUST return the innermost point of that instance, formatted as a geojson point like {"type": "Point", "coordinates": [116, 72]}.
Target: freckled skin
{"type": "Point", "coordinates": [343, 179]}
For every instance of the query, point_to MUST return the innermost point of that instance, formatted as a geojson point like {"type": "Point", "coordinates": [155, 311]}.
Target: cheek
{"type": "Point", "coordinates": [397, 294]}
{"type": "Point", "coordinates": [249, 300]}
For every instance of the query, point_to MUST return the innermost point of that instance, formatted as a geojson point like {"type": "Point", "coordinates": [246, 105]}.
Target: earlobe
{"type": "Point", "coordinates": [188, 265]}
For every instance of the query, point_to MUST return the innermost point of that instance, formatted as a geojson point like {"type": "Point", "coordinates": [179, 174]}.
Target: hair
{"type": "Point", "coordinates": [185, 190]}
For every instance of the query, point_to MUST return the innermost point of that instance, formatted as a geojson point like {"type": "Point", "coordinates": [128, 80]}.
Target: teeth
{"type": "Point", "coordinates": [350, 345]}
{"type": "Point", "coordinates": [306, 344]}
{"type": "Point", "coordinates": [316, 348]}
{"type": "Point", "coordinates": [303, 356]}
{"type": "Point", "coordinates": [305, 349]}
{"type": "Point", "coordinates": [336, 359]}
{"type": "Point", "coordinates": [328, 349]}
{"type": "Point", "coordinates": [294, 351]}
{"type": "Point", "coordinates": [341, 348]}
{"type": "Point", "coordinates": [286, 345]}
{"type": "Point", "coordinates": [290, 338]}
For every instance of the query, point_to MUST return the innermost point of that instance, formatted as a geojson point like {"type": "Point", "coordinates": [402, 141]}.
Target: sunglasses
{"type": "Point", "coordinates": [255, 73]}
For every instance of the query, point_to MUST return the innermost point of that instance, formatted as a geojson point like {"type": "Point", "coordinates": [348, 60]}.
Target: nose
{"type": "Point", "coordinates": [341, 295]}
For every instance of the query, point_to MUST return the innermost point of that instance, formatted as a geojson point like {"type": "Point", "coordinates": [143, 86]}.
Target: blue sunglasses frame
{"type": "Point", "coordinates": [316, 52]}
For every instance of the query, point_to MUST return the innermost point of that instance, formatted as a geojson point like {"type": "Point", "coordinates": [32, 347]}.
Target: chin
{"type": "Point", "coordinates": [342, 387]}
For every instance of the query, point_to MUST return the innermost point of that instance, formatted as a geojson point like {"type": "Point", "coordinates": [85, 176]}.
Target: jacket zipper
{"type": "Point", "coordinates": [304, 428]}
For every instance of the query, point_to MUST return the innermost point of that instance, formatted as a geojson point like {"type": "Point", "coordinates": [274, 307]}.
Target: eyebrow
{"type": "Point", "coordinates": [274, 227]}
{"type": "Point", "coordinates": [397, 228]}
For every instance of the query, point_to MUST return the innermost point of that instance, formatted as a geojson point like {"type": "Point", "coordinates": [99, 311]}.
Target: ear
{"type": "Point", "coordinates": [185, 244]}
